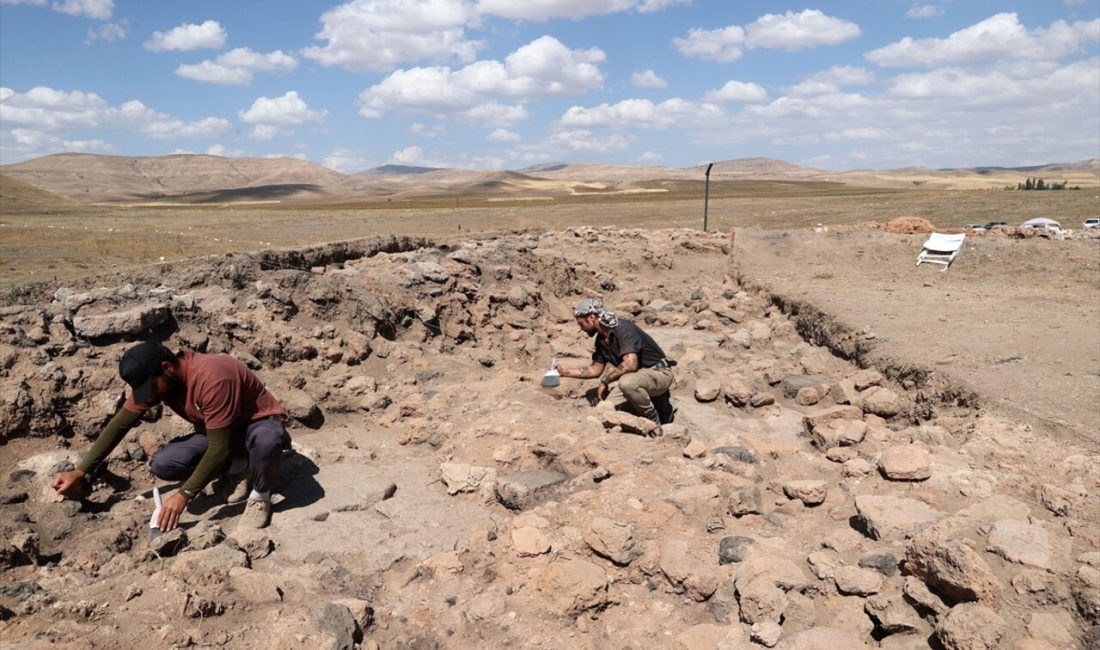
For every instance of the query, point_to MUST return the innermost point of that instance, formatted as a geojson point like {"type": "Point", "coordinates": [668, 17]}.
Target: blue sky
{"type": "Point", "coordinates": [505, 84]}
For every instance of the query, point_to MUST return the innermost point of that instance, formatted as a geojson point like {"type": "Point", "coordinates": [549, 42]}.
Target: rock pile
{"type": "Point", "coordinates": [438, 497]}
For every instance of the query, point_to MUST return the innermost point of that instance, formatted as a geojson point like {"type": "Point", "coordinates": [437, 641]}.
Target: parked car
{"type": "Point", "coordinates": [1041, 223]}
{"type": "Point", "coordinates": [996, 224]}
{"type": "Point", "coordinates": [1091, 222]}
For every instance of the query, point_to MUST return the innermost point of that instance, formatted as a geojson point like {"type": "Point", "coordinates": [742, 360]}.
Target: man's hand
{"type": "Point", "coordinates": [602, 390]}
{"type": "Point", "coordinates": [170, 512]}
{"type": "Point", "coordinates": [69, 484]}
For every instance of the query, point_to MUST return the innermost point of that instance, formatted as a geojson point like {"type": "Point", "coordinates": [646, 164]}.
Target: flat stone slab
{"type": "Point", "coordinates": [885, 517]}
{"type": "Point", "coordinates": [518, 491]}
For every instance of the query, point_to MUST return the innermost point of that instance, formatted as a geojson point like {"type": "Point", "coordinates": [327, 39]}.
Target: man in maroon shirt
{"type": "Point", "coordinates": [238, 423]}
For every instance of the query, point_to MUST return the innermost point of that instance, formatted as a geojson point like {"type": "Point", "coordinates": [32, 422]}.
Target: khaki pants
{"type": "Point", "coordinates": [634, 389]}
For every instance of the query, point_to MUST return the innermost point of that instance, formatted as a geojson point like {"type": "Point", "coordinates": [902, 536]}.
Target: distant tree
{"type": "Point", "coordinates": [1040, 185]}
{"type": "Point", "coordinates": [1029, 185]}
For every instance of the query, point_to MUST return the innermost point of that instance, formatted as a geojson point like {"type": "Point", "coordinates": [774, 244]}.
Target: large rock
{"type": "Point", "coordinates": [210, 566]}
{"type": "Point", "coordinates": [689, 568]}
{"type": "Point", "coordinates": [572, 586]}
{"type": "Point", "coordinates": [120, 322]}
{"type": "Point", "coordinates": [881, 401]}
{"type": "Point", "coordinates": [627, 422]}
{"type": "Point", "coordinates": [1020, 542]}
{"type": "Point", "coordinates": [810, 492]}
{"type": "Point", "coordinates": [851, 580]}
{"type": "Point", "coordinates": [529, 541]}
{"type": "Point", "coordinates": [951, 568]}
{"type": "Point", "coordinates": [893, 614]}
{"type": "Point", "coordinates": [522, 489]}
{"type": "Point", "coordinates": [761, 600]}
{"type": "Point", "coordinates": [460, 477]}
{"type": "Point", "coordinates": [888, 517]}
{"type": "Point", "coordinates": [905, 463]}
{"type": "Point", "coordinates": [838, 433]}
{"type": "Point", "coordinates": [971, 626]}
{"type": "Point", "coordinates": [612, 540]}
{"type": "Point", "coordinates": [707, 390]}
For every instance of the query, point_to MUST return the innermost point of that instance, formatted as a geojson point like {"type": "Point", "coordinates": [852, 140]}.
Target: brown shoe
{"type": "Point", "coordinates": [257, 514]}
{"type": "Point", "coordinates": [233, 487]}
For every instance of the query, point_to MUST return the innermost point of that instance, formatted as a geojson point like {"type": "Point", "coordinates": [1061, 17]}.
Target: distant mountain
{"type": "Point", "coordinates": [19, 196]}
{"type": "Point", "coordinates": [396, 170]}
{"type": "Point", "coordinates": [186, 177]}
{"type": "Point", "coordinates": [544, 167]}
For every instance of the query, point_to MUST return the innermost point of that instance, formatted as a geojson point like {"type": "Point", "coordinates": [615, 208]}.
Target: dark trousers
{"type": "Point", "coordinates": [264, 441]}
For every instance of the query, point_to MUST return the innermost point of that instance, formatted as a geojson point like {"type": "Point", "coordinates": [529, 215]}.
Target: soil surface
{"type": "Point", "coordinates": [842, 471]}
{"type": "Point", "coordinates": [1016, 319]}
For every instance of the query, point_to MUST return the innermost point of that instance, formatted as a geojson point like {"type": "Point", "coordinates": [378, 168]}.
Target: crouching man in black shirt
{"type": "Point", "coordinates": [637, 364]}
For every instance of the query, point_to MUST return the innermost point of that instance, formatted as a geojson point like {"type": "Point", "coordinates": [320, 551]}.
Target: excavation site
{"type": "Point", "coordinates": [836, 474]}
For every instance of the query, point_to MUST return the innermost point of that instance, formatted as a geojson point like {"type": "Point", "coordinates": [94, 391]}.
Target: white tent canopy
{"type": "Point", "coordinates": [1041, 222]}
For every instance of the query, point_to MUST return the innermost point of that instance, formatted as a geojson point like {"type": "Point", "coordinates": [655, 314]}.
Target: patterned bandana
{"type": "Point", "coordinates": [595, 306]}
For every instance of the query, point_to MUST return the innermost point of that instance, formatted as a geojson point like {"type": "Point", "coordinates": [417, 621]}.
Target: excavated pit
{"type": "Point", "coordinates": [437, 496]}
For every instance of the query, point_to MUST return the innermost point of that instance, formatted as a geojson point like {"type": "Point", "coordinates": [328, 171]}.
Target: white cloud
{"type": "Point", "coordinates": [408, 156]}
{"type": "Point", "coordinates": [188, 36]}
{"type": "Point", "coordinates": [47, 109]}
{"type": "Point", "coordinates": [288, 110]}
{"type": "Point", "coordinates": [36, 3]}
{"type": "Point", "coordinates": [721, 45]}
{"type": "Point", "coordinates": [136, 115]}
{"type": "Point", "coordinates": [109, 32]}
{"type": "Point", "coordinates": [496, 113]}
{"type": "Point", "coordinates": [376, 35]}
{"type": "Point", "coordinates": [845, 75]}
{"type": "Point", "coordinates": [791, 31]}
{"type": "Point", "coordinates": [345, 161]}
{"type": "Point", "coordinates": [649, 6]}
{"type": "Point", "coordinates": [650, 157]}
{"type": "Point", "coordinates": [998, 37]}
{"type": "Point", "coordinates": [859, 133]}
{"type": "Point", "coordinates": [924, 11]}
{"type": "Point", "coordinates": [503, 135]}
{"type": "Point", "coordinates": [236, 67]}
{"type": "Point", "coordinates": [737, 91]}
{"type": "Point", "coordinates": [582, 140]}
{"type": "Point", "coordinates": [543, 67]}
{"type": "Point", "coordinates": [426, 131]}
{"type": "Point", "coordinates": [647, 79]}
{"type": "Point", "coordinates": [43, 108]}
{"type": "Point", "coordinates": [98, 9]}
{"type": "Point", "coordinates": [641, 113]}
{"type": "Point", "coordinates": [222, 150]}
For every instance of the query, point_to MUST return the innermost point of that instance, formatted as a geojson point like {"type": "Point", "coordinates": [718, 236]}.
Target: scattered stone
{"type": "Point", "coordinates": [529, 541]}
{"type": "Point", "coordinates": [612, 540]}
{"type": "Point", "coordinates": [686, 567]}
{"type": "Point", "coordinates": [737, 392]}
{"type": "Point", "coordinates": [857, 581]}
{"type": "Point", "coordinates": [761, 600]}
{"type": "Point", "coordinates": [740, 454]}
{"type": "Point", "coordinates": [858, 468]}
{"type": "Point", "coordinates": [824, 564]}
{"type": "Point", "coordinates": [838, 432]}
{"type": "Point", "coordinates": [761, 399]}
{"type": "Point", "coordinates": [866, 378]}
{"type": "Point", "coordinates": [971, 626]}
{"type": "Point", "coordinates": [917, 592]}
{"type": "Point", "coordinates": [905, 463]}
{"type": "Point", "coordinates": [572, 586]}
{"type": "Point", "coordinates": [460, 477]}
{"type": "Point", "coordinates": [766, 633]}
{"type": "Point", "coordinates": [951, 568]}
{"type": "Point", "coordinates": [809, 492]}
{"type": "Point", "coordinates": [884, 562]}
{"type": "Point", "coordinates": [892, 614]}
{"type": "Point", "coordinates": [521, 490]}
{"type": "Point", "coordinates": [1055, 628]}
{"type": "Point", "coordinates": [808, 396]}
{"type": "Point", "coordinates": [695, 449]}
{"type": "Point", "coordinates": [888, 517]}
{"type": "Point", "coordinates": [1020, 542]}
{"type": "Point", "coordinates": [208, 567]}
{"type": "Point", "coordinates": [338, 625]}
{"type": "Point", "coordinates": [707, 391]}
{"type": "Point", "coordinates": [793, 384]}
{"type": "Point", "coordinates": [881, 401]}
{"type": "Point", "coordinates": [627, 422]}
{"type": "Point", "coordinates": [745, 501]}
{"type": "Point", "coordinates": [732, 549]}
{"type": "Point", "coordinates": [119, 322]}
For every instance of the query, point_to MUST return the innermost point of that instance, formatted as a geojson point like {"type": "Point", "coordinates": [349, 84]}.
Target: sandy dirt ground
{"type": "Point", "coordinates": [438, 497]}
{"type": "Point", "coordinates": [1019, 320]}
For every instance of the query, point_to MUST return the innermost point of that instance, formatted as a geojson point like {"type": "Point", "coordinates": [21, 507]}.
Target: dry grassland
{"type": "Point", "coordinates": [67, 241]}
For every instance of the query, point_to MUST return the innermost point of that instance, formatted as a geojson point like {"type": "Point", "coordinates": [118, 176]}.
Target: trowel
{"type": "Point", "coordinates": [552, 378]}
{"type": "Point", "coordinates": [154, 523]}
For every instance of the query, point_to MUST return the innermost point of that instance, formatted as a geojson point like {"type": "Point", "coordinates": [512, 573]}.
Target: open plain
{"type": "Point", "coordinates": [866, 453]}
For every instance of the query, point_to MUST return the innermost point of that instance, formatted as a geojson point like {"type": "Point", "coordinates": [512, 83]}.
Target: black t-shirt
{"type": "Point", "coordinates": [627, 338]}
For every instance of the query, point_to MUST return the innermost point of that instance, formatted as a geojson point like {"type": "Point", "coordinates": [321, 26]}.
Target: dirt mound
{"type": "Point", "coordinates": [20, 196]}
{"type": "Point", "coordinates": [438, 497]}
{"type": "Point", "coordinates": [909, 226]}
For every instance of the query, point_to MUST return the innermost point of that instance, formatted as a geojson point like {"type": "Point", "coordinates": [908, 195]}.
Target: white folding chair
{"type": "Point", "coordinates": [941, 249]}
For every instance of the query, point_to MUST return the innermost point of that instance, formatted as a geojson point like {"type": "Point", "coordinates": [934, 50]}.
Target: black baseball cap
{"type": "Point", "coordinates": [140, 364]}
